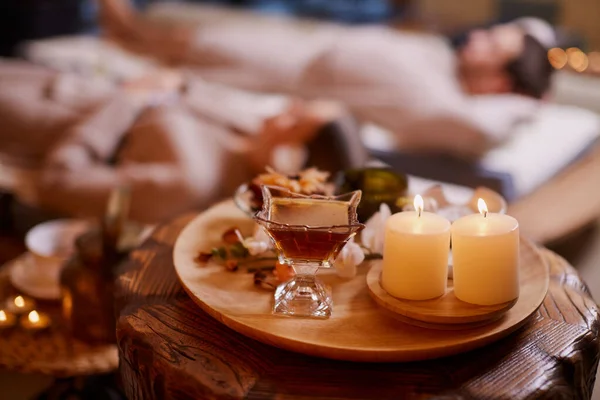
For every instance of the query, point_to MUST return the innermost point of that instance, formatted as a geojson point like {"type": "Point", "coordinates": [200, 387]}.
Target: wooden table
{"type": "Point", "coordinates": [170, 349]}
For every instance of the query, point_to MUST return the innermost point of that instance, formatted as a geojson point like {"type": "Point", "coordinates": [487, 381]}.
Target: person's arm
{"type": "Point", "coordinates": [469, 131]}
{"type": "Point", "coordinates": [171, 166]}
{"type": "Point", "coordinates": [158, 189]}
{"type": "Point", "coordinates": [240, 109]}
{"type": "Point", "coordinates": [15, 69]}
{"type": "Point", "coordinates": [413, 92]}
{"type": "Point", "coordinates": [425, 108]}
{"type": "Point", "coordinates": [265, 122]}
{"type": "Point", "coordinates": [99, 134]}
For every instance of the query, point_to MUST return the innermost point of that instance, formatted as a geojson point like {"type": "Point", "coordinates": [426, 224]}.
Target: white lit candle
{"type": "Point", "coordinates": [7, 320]}
{"type": "Point", "coordinates": [35, 321]}
{"type": "Point", "coordinates": [485, 250]}
{"type": "Point", "coordinates": [20, 305]}
{"type": "Point", "coordinates": [415, 254]}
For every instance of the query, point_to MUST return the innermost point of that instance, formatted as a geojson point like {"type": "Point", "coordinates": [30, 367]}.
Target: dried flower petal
{"type": "Point", "coordinates": [231, 236]}
{"type": "Point", "coordinates": [314, 174]}
{"type": "Point", "coordinates": [259, 243]}
{"type": "Point", "coordinates": [349, 258]}
{"type": "Point", "coordinates": [203, 257]}
{"type": "Point", "coordinates": [256, 247]}
{"type": "Point", "coordinates": [231, 265]}
{"type": "Point", "coordinates": [283, 272]}
{"type": "Point", "coordinates": [373, 235]}
{"type": "Point", "coordinates": [309, 181]}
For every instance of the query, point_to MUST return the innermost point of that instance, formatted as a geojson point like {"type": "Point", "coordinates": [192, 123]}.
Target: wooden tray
{"type": "Point", "coordinates": [359, 330]}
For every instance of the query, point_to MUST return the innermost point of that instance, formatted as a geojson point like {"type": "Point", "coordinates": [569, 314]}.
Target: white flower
{"type": "Point", "coordinates": [349, 258]}
{"type": "Point", "coordinates": [258, 243]}
{"type": "Point", "coordinates": [373, 235]}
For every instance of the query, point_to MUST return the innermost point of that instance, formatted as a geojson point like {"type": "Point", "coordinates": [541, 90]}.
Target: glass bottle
{"type": "Point", "coordinates": [378, 185]}
{"type": "Point", "coordinates": [87, 279]}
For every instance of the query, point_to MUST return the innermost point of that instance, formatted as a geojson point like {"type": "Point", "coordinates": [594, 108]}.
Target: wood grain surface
{"type": "Point", "coordinates": [359, 329]}
{"type": "Point", "coordinates": [171, 349]}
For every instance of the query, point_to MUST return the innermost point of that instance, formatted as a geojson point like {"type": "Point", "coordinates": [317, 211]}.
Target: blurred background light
{"type": "Point", "coordinates": [578, 60]}
{"type": "Point", "coordinates": [558, 58]}
{"type": "Point", "coordinates": [594, 62]}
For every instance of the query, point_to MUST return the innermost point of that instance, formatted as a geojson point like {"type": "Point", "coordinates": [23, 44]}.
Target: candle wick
{"type": "Point", "coordinates": [485, 214]}
{"type": "Point", "coordinates": [420, 211]}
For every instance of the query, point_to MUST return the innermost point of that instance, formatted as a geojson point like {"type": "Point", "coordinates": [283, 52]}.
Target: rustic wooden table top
{"type": "Point", "coordinates": [171, 349]}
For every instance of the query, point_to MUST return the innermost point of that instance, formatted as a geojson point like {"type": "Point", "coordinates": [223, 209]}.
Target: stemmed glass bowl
{"type": "Point", "coordinates": [308, 232]}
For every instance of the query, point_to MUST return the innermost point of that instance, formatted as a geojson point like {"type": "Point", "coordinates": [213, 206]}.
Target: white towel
{"type": "Point", "coordinates": [534, 153]}
{"type": "Point", "coordinates": [543, 147]}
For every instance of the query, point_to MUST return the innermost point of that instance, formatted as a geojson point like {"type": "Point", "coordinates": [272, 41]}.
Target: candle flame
{"type": "Point", "coordinates": [34, 317]}
{"type": "Point", "coordinates": [418, 203]}
{"type": "Point", "coordinates": [19, 301]}
{"type": "Point", "coordinates": [483, 210]}
{"type": "Point", "coordinates": [2, 316]}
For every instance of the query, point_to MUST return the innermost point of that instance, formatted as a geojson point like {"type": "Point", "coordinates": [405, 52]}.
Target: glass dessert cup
{"type": "Point", "coordinates": [308, 232]}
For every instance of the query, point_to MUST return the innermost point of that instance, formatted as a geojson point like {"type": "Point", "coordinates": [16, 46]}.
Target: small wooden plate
{"type": "Point", "coordinates": [444, 312]}
{"type": "Point", "coordinates": [358, 330]}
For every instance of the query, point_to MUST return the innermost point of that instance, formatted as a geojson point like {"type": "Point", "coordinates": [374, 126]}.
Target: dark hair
{"type": "Point", "coordinates": [531, 72]}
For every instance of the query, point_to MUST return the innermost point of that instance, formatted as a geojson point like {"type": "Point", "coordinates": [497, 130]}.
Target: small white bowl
{"type": "Point", "coordinates": [51, 244]}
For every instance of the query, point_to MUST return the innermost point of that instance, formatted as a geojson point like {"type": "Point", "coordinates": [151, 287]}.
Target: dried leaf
{"type": "Point", "coordinates": [265, 280]}
{"type": "Point", "coordinates": [219, 252]}
{"type": "Point", "coordinates": [283, 272]}
{"type": "Point", "coordinates": [231, 265]}
{"type": "Point", "coordinates": [238, 250]}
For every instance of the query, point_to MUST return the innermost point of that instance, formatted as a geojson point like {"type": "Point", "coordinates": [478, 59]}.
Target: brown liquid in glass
{"type": "Point", "coordinates": [308, 245]}
{"type": "Point", "coordinates": [303, 243]}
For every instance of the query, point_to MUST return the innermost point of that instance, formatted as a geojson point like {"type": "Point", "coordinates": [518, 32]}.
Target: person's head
{"type": "Point", "coordinates": [507, 58]}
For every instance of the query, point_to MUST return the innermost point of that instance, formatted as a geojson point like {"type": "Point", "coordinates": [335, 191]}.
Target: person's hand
{"type": "Point", "coordinates": [296, 125]}
{"type": "Point", "coordinates": [161, 80]}
{"type": "Point", "coordinates": [293, 128]}
{"type": "Point", "coordinates": [68, 157]}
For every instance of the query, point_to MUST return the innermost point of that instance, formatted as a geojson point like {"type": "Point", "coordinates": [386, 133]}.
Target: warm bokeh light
{"type": "Point", "coordinates": [2, 316]}
{"type": "Point", "coordinates": [418, 204]}
{"type": "Point", "coordinates": [19, 301]}
{"type": "Point", "coordinates": [558, 58]}
{"type": "Point", "coordinates": [578, 60]}
{"type": "Point", "coordinates": [594, 61]}
{"type": "Point", "coordinates": [482, 207]}
{"type": "Point", "coordinates": [34, 317]}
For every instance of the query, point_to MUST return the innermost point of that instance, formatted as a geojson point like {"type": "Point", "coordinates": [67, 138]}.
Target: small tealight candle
{"type": "Point", "coordinates": [7, 320]}
{"type": "Point", "coordinates": [415, 254]}
{"type": "Point", "coordinates": [20, 305]}
{"type": "Point", "coordinates": [35, 321]}
{"type": "Point", "coordinates": [485, 251]}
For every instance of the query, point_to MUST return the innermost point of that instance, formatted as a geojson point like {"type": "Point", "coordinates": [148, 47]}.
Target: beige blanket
{"type": "Point", "coordinates": [177, 152]}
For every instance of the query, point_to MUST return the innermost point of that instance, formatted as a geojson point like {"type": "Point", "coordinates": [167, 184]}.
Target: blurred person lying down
{"type": "Point", "coordinates": [434, 97]}
{"type": "Point", "coordinates": [180, 143]}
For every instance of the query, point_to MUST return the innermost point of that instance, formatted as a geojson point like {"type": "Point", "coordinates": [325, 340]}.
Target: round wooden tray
{"type": "Point", "coordinates": [448, 312]}
{"type": "Point", "coordinates": [359, 330]}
